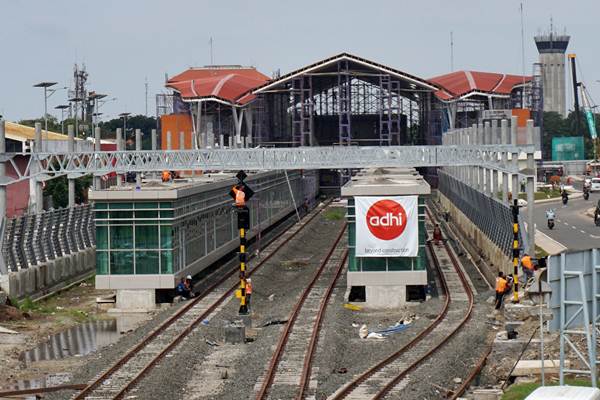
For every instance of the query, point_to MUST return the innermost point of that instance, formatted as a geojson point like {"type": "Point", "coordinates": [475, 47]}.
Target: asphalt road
{"type": "Point", "coordinates": [573, 228]}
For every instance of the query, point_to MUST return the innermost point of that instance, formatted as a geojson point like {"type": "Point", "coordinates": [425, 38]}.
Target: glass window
{"type": "Point", "coordinates": [101, 237]}
{"type": "Point", "coordinates": [146, 262]}
{"type": "Point", "coordinates": [166, 205]}
{"type": "Point", "coordinates": [101, 214]}
{"type": "Point", "coordinates": [101, 262]}
{"type": "Point", "coordinates": [166, 237]}
{"type": "Point", "coordinates": [121, 214]}
{"type": "Point", "coordinates": [121, 262]}
{"type": "Point", "coordinates": [146, 214]}
{"type": "Point", "coordinates": [166, 262]}
{"type": "Point", "coordinates": [119, 206]}
{"type": "Point", "coordinates": [146, 205]}
{"type": "Point", "coordinates": [100, 206]}
{"type": "Point", "coordinates": [166, 213]}
{"type": "Point", "coordinates": [146, 237]}
{"type": "Point", "coordinates": [121, 237]}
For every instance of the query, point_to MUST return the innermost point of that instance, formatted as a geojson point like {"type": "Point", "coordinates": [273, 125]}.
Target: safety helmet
{"type": "Point", "coordinates": [189, 277]}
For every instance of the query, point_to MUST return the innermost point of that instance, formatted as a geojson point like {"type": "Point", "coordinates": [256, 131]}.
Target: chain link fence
{"type": "Point", "coordinates": [490, 215]}
{"type": "Point", "coordinates": [32, 239]}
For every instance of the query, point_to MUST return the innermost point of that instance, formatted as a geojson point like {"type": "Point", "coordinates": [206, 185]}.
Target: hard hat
{"type": "Point", "coordinates": [189, 277]}
{"type": "Point", "coordinates": [248, 280]}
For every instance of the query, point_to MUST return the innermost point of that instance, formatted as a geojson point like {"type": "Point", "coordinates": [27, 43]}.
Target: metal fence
{"type": "Point", "coordinates": [492, 217]}
{"type": "Point", "coordinates": [32, 239]}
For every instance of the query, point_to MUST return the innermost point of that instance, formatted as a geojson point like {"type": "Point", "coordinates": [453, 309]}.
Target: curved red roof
{"type": "Point", "coordinates": [227, 84]}
{"type": "Point", "coordinates": [459, 83]}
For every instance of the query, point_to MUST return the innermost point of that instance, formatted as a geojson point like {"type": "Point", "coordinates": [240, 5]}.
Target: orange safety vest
{"type": "Point", "coordinates": [500, 285]}
{"type": "Point", "coordinates": [240, 197]}
{"type": "Point", "coordinates": [526, 262]}
{"type": "Point", "coordinates": [248, 287]}
{"type": "Point", "coordinates": [166, 176]}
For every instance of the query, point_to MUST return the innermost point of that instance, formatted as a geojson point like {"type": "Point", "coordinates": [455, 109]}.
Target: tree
{"type": "Point", "coordinates": [556, 126]}
{"type": "Point", "coordinates": [145, 124]}
{"type": "Point", "coordinates": [58, 189]}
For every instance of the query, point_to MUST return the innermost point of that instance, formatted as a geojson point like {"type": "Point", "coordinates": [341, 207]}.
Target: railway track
{"type": "Point", "coordinates": [126, 373]}
{"type": "Point", "coordinates": [297, 343]}
{"type": "Point", "coordinates": [388, 377]}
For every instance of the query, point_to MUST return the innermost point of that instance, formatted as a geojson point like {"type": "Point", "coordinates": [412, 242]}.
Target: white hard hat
{"type": "Point", "coordinates": [248, 280]}
{"type": "Point", "coordinates": [188, 277]}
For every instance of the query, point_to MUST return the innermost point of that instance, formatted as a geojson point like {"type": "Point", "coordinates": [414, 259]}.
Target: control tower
{"type": "Point", "coordinates": [552, 48]}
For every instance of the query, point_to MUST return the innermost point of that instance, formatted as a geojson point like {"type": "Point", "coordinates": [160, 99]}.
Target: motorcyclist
{"type": "Point", "coordinates": [550, 214]}
{"type": "Point", "coordinates": [597, 211]}
{"type": "Point", "coordinates": [565, 196]}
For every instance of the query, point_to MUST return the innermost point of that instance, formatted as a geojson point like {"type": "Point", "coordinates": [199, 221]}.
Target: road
{"type": "Point", "coordinates": [573, 228]}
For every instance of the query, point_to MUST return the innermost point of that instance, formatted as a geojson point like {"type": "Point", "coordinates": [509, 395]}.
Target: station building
{"type": "Point", "coordinates": [387, 278]}
{"type": "Point", "coordinates": [148, 238]}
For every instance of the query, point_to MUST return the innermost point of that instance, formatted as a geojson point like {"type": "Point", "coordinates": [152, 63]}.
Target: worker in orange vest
{"type": "Point", "coordinates": [240, 196]}
{"type": "Point", "coordinates": [501, 289]}
{"type": "Point", "coordinates": [248, 291]}
{"type": "Point", "coordinates": [528, 268]}
{"type": "Point", "coordinates": [166, 176]}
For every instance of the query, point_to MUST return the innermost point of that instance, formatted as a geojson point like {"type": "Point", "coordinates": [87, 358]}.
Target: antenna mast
{"type": "Point", "coordinates": [451, 51]}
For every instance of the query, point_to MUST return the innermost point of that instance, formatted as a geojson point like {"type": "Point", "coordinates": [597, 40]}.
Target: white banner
{"type": "Point", "coordinates": [387, 226]}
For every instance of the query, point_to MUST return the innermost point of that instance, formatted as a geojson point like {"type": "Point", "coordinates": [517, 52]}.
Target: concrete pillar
{"type": "Point", "coordinates": [138, 147]}
{"type": "Point", "coordinates": [515, 155]}
{"type": "Point", "coordinates": [505, 176]}
{"type": "Point", "coordinates": [221, 141]}
{"type": "Point", "coordinates": [38, 190]}
{"type": "Point", "coordinates": [495, 132]}
{"type": "Point", "coordinates": [182, 140]}
{"type": "Point", "coordinates": [495, 184]}
{"type": "Point", "coordinates": [71, 181]}
{"type": "Point", "coordinates": [97, 148]}
{"type": "Point", "coordinates": [487, 133]}
{"type": "Point", "coordinates": [488, 182]}
{"type": "Point", "coordinates": [513, 130]}
{"type": "Point", "coordinates": [480, 133]}
{"type": "Point", "coordinates": [504, 131]}
{"type": "Point", "coordinates": [530, 190]}
{"type": "Point", "coordinates": [154, 139]}
{"type": "Point", "coordinates": [2, 169]}
{"type": "Point", "coordinates": [119, 148]}
{"type": "Point", "coordinates": [169, 142]}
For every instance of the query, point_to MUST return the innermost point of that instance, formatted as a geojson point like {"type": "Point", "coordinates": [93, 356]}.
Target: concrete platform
{"type": "Point", "coordinates": [534, 367]}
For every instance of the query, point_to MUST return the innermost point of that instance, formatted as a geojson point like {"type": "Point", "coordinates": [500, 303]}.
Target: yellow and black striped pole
{"type": "Point", "coordinates": [243, 305]}
{"type": "Point", "coordinates": [515, 252]}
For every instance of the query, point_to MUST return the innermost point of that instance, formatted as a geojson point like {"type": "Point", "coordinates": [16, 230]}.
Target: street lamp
{"type": "Point", "coordinates": [62, 108]}
{"type": "Point", "coordinates": [46, 85]}
{"type": "Point", "coordinates": [94, 97]}
{"type": "Point", "coordinates": [124, 116]}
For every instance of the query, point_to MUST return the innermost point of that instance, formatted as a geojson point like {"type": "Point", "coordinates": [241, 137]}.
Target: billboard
{"type": "Point", "coordinates": [387, 226]}
{"type": "Point", "coordinates": [567, 148]}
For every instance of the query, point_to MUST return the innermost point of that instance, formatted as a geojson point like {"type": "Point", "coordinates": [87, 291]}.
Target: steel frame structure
{"type": "Point", "coordinates": [44, 166]}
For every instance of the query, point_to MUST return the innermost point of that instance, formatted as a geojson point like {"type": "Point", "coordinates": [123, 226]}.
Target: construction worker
{"type": "Point", "coordinates": [437, 235]}
{"type": "Point", "coordinates": [527, 265]}
{"type": "Point", "coordinates": [248, 291]}
{"type": "Point", "coordinates": [166, 176]}
{"type": "Point", "coordinates": [240, 196]}
{"type": "Point", "coordinates": [501, 288]}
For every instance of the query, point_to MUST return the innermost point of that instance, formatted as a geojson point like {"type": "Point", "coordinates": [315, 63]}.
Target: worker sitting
{"type": "Point", "coordinates": [501, 289]}
{"type": "Point", "coordinates": [184, 288]}
{"type": "Point", "coordinates": [528, 268]}
{"type": "Point", "coordinates": [166, 176]}
{"type": "Point", "coordinates": [240, 196]}
{"type": "Point", "coordinates": [437, 234]}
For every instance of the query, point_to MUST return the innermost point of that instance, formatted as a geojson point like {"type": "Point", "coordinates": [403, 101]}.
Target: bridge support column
{"type": "Point", "coordinates": [514, 157]}
{"type": "Point", "coordinates": [97, 143]}
{"type": "Point", "coordinates": [2, 170]}
{"type": "Point", "coordinates": [505, 176]}
{"type": "Point", "coordinates": [530, 190]}
{"type": "Point", "coordinates": [119, 148]}
{"type": "Point", "coordinates": [71, 181]}
{"type": "Point", "coordinates": [38, 192]}
{"type": "Point", "coordinates": [154, 147]}
{"type": "Point", "coordinates": [138, 147]}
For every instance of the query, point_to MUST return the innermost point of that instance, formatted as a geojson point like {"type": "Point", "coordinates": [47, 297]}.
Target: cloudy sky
{"type": "Point", "coordinates": [124, 42]}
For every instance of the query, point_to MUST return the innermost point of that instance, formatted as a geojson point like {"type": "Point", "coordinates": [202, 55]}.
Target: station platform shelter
{"type": "Point", "coordinates": [386, 236]}
{"type": "Point", "coordinates": [148, 238]}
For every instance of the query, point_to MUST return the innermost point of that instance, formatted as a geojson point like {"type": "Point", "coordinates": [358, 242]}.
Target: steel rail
{"type": "Point", "coordinates": [283, 339]}
{"type": "Point", "coordinates": [474, 372]}
{"type": "Point", "coordinates": [130, 354]}
{"type": "Point", "coordinates": [49, 389]}
{"type": "Point", "coordinates": [314, 339]}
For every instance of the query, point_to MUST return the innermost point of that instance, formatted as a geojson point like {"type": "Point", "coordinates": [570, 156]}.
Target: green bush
{"type": "Point", "coordinates": [335, 214]}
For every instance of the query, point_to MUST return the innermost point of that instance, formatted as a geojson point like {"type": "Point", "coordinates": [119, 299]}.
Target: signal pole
{"type": "Point", "coordinates": [243, 219]}
{"type": "Point", "coordinates": [515, 213]}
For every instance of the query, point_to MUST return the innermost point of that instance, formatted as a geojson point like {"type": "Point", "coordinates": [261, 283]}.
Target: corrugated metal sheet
{"type": "Point", "coordinates": [460, 83]}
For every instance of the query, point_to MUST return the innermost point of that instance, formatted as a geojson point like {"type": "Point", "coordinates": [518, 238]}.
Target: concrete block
{"type": "Point", "coordinates": [40, 276]}
{"type": "Point", "coordinates": [57, 270]}
{"type": "Point", "coordinates": [138, 300]}
{"type": "Point", "coordinates": [234, 333]}
{"type": "Point", "coordinates": [534, 367]}
{"type": "Point", "coordinates": [3, 297]}
{"type": "Point", "coordinates": [487, 394]}
{"type": "Point", "coordinates": [28, 276]}
{"type": "Point", "coordinates": [48, 277]}
{"type": "Point", "coordinates": [385, 296]}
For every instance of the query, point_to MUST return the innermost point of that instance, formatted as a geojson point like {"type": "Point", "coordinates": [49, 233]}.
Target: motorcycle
{"type": "Point", "coordinates": [550, 218]}
{"type": "Point", "coordinates": [597, 220]}
{"type": "Point", "coordinates": [565, 199]}
{"type": "Point", "coordinates": [586, 192]}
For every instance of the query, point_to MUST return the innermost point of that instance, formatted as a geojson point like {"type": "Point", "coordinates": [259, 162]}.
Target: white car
{"type": "Point", "coordinates": [595, 185]}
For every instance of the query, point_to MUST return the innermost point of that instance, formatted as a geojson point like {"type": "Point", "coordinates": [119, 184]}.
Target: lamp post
{"type": "Point", "coordinates": [45, 85]}
{"type": "Point", "coordinates": [62, 108]}
{"type": "Point", "coordinates": [94, 97]}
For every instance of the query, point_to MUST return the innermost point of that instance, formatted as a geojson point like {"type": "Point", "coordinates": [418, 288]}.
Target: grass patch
{"type": "Point", "coordinates": [542, 194]}
{"type": "Point", "coordinates": [335, 214]}
{"type": "Point", "coordinates": [522, 390]}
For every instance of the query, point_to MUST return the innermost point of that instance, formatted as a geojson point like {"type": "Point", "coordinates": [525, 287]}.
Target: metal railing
{"type": "Point", "coordinates": [31, 239]}
{"type": "Point", "coordinates": [490, 215]}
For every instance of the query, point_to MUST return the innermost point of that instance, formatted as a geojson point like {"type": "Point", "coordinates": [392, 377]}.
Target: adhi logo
{"type": "Point", "coordinates": [386, 219]}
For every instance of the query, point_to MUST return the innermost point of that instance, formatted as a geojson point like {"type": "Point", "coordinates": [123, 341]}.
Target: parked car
{"type": "Point", "coordinates": [595, 187]}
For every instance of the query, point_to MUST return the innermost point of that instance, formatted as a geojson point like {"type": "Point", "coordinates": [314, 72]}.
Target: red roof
{"type": "Point", "coordinates": [460, 83]}
{"type": "Point", "coordinates": [229, 84]}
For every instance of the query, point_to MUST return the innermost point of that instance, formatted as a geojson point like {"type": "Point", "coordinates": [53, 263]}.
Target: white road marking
{"type": "Point", "coordinates": [595, 237]}
{"type": "Point", "coordinates": [565, 223]}
{"type": "Point", "coordinates": [582, 231]}
{"type": "Point", "coordinates": [573, 226]}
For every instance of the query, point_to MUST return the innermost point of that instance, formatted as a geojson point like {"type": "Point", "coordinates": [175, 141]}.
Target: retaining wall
{"type": "Point", "coordinates": [49, 277]}
{"type": "Point", "coordinates": [486, 247]}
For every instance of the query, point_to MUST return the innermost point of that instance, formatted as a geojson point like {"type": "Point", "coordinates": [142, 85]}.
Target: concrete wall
{"type": "Point", "coordinates": [49, 277]}
{"type": "Point", "coordinates": [488, 249]}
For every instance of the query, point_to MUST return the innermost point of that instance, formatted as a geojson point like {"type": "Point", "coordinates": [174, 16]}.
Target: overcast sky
{"type": "Point", "coordinates": [123, 42]}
